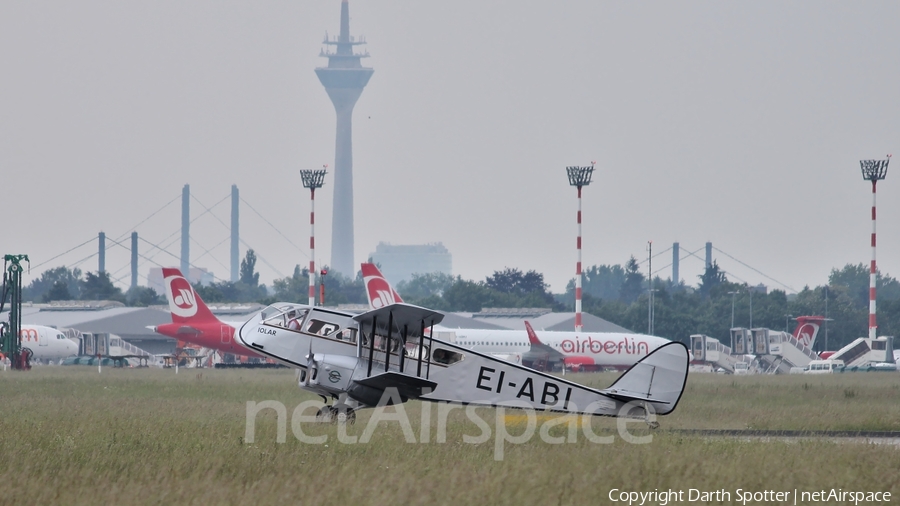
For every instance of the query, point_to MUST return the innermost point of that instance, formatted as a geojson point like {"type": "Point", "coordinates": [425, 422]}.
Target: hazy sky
{"type": "Point", "coordinates": [737, 123]}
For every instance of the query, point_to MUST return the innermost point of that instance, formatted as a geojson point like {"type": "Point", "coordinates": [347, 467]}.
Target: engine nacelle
{"type": "Point", "coordinates": [331, 373]}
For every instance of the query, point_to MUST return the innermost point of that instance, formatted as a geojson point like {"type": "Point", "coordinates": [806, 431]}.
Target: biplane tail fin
{"type": "Point", "coordinates": [657, 379]}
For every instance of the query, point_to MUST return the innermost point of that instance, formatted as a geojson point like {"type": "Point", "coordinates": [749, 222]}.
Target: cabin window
{"type": "Point", "coordinates": [320, 328]}
{"type": "Point", "coordinates": [446, 357]}
{"type": "Point", "coordinates": [878, 345]}
{"type": "Point", "coordinates": [347, 335]}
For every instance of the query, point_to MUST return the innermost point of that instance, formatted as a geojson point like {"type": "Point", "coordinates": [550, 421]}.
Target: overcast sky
{"type": "Point", "coordinates": [737, 123]}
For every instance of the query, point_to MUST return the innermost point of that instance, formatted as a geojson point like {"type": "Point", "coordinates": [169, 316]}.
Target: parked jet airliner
{"type": "Point", "coordinates": [47, 343]}
{"type": "Point", "coordinates": [193, 322]}
{"type": "Point", "coordinates": [589, 351]}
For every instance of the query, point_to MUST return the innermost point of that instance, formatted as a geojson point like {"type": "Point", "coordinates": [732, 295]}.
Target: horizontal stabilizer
{"type": "Point", "coordinates": [630, 396]}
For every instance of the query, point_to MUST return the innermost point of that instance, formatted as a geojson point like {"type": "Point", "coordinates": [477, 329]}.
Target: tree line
{"type": "Point", "coordinates": [617, 293]}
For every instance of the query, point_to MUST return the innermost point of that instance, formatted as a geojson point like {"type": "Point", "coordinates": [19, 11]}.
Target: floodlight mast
{"type": "Point", "coordinates": [312, 179]}
{"type": "Point", "coordinates": [874, 171]}
{"type": "Point", "coordinates": [578, 177]}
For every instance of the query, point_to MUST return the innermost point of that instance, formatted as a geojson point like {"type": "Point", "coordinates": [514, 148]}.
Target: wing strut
{"type": "Point", "coordinates": [402, 347]}
{"type": "Point", "coordinates": [430, 346]}
{"type": "Point", "coordinates": [419, 355]}
{"type": "Point", "coordinates": [372, 344]}
{"type": "Point", "coordinates": [387, 347]}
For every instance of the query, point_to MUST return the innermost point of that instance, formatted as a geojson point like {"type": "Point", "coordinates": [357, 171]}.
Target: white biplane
{"type": "Point", "coordinates": [384, 354]}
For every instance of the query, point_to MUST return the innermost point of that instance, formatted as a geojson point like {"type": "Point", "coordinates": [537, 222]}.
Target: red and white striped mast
{"type": "Point", "coordinates": [312, 179]}
{"type": "Point", "coordinates": [874, 171]}
{"type": "Point", "coordinates": [578, 177]}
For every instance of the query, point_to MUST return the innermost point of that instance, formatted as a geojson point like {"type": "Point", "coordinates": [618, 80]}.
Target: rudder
{"type": "Point", "coordinates": [657, 379]}
{"type": "Point", "coordinates": [184, 303]}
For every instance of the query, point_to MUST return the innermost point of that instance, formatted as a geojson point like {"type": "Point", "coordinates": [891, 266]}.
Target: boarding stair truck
{"type": "Point", "coordinates": [710, 351]}
{"type": "Point", "coordinates": [865, 350]}
{"type": "Point", "coordinates": [777, 352]}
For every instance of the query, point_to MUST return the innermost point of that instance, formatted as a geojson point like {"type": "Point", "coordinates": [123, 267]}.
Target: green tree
{"type": "Point", "coordinates": [711, 278]}
{"type": "Point", "coordinates": [294, 288]}
{"type": "Point", "coordinates": [39, 287]}
{"type": "Point", "coordinates": [464, 295]}
{"type": "Point", "coordinates": [604, 281]}
{"type": "Point", "coordinates": [855, 277]}
{"type": "Point", "coordinates": [100, 287]}
{"type": "Point", "coordinates": [59, 291]}
{"type": "Point", "coordinates": [511, 280]}
{"type": "Point", "coordinates": [422, 286]}
{"type": "Point", "coordinates": [633, 286]}
{"type": "Point", "coordinates": [143, 296]}
{"type": "Point", "coordinates": [600, 282]}
{"type": "Point", "coordinates": [340, 289]}
{"type": "Point", "coordinates": [226, 291]}
{"type": "Point", "coordinates": [248, 274]}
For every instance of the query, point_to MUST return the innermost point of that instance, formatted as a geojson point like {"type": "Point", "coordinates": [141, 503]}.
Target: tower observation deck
{"type": "Point", "coordinates": [344, 79]}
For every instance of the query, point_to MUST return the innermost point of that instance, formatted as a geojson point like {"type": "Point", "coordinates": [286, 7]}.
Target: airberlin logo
{"type": "Point", "coordinates": [806, 333]}
{"type": "Point", "coordinates": [28, 335]}
{"type": "Point", "coordinates": [182, 301]}
{"type": "Point", "coordinates": [380, 293]}
{"type": "Point", "coordinates": [589, 345]}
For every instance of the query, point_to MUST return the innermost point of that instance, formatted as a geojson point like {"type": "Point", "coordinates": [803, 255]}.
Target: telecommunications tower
{"type": "Point", "coordinates": [344, 79]}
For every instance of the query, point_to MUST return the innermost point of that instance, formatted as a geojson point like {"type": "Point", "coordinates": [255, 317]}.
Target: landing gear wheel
{"type": "Point", "coordinates": [325, 415]}
{"type": "Point", "coordinates": [343, 414]}
{"type": "Point", "coordinates": [647, 411]}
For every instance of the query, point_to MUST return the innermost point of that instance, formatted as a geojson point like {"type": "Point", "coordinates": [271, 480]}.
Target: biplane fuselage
{"type": "Point", "coordinates": [386, 355]}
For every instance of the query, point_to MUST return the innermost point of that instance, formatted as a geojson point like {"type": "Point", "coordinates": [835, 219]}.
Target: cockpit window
{"type": "Point", "coordinates": [287, 316]}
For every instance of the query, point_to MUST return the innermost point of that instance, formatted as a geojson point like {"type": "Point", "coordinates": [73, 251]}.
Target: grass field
{"type": "Point", "coordinates": [69, 435]}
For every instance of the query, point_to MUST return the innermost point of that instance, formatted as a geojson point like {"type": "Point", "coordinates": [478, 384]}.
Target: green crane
{"type": "Point", "coordinates": [10, 335]}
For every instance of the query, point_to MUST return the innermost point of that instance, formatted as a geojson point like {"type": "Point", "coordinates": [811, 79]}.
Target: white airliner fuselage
{"type": "Point", "coordinates": [607, 349]}
{"type": "Point", "coordinates": [47, 343]}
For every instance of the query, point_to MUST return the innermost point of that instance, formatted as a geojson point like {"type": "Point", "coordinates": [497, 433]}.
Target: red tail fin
{"type": "Point", "coordinates": [532, 335]}
{"type": "Point", "coordinates": [184, 303]}
{"type": "Point", "coordinates": [807, 329]}
{"type": "Point", "coordinates": [378, 289]}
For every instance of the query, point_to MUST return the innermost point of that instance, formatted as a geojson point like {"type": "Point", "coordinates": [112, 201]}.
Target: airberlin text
{"type": "Point", "coordinates": [589, 345]}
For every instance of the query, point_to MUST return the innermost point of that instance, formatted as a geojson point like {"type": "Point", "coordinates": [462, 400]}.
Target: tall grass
{"type": "Point", "coordinates": [147, 436]}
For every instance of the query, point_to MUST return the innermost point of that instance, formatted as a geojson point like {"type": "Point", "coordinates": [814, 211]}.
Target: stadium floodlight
{"type": "Point", "coordinates": [874, 171]}
{"type": "Point", "coordinates": [578, 177]}
{"type": "Point", "coordinates": [312, 179]}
